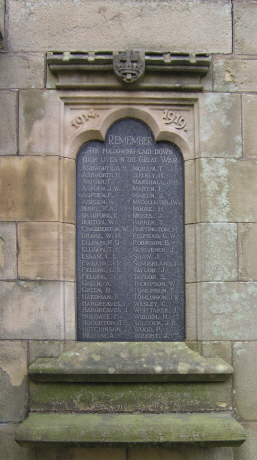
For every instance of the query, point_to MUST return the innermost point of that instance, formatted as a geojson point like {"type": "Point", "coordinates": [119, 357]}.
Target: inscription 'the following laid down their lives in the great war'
{"type": "Point", "coordinates": [130, 237]}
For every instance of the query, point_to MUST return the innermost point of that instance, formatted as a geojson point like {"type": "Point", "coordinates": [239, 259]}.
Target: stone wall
{"type": "Point", "coordinates": [37, 307]}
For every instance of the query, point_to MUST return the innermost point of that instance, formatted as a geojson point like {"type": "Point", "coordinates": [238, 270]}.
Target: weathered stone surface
{"type": "Point", "coordinates": [217, 251]}
{"type": "Point", "coordinates": [68, 299]}
{"type": "Point", "coordinates": [9, 449]}
{"type": "Point", "coordinates": [191, 311]}
{"type": "Point", "coordinates": [130, 397]}
{"type": "Point", "coordinates": [8, 262]}
{"type": "Point", "coordinates": [182, 453]}
{"type": "Point", "coordinates": [69, 345]}
{"type": "Point", "coordinates": [13, 372]}
{"type": "Point", "coordinates": [141, 25]}
{"type": "Point", "coordinates": [230, 74]}
{"type": "Point", "coordinates": [2, 12]}
{"type": "Point", "coordinates": [141, 362]}
{"type": "Point", "coordinates": [117, 430]}
{"type": "Point", "coordinates": [245, 17]}
{"type": "Point", "coordinates": [221, 349]}
{"type": "Point", "coordinates": [228, 190]}
{"type": "Point", "coordinates": [220, 125]}
{"type": "Point", "coordinates": [29, 188]}
{"type": "Point", "coordinates": [32, 310]}
{"type": "Point", "coordinates": [214, 187]}
{"type": "Point", "coordinates": [78, 453]}
{"type": "Point", "coordinates": [44, 349]}
{"type": "Point", "coordinates": [46, 251]}
{"type": "Point", "coordinates": [39, 123]}
{"type": "Point", "coordinates": [249, 114]}
{"type": "Point", "coordinates": [67, 252]}
{"type": "Point", "coordinates": [248, 450]}
{"type": "Point", "coordinates": [190, 247]}
{"type": "Point", "coordinates": [190, 191]}
{"type": "Point", "coordinates": [8, 125]}
{"type": "Point", "coordinates": [229, 311]}
{"type": "Point", "coordinates": [206, 81]}
{"type": "Point", "coordinates": [247, 252]}
{"type": "Point", "coordinates": [68, 190]}
{"type": "Point", "coordinates": [245, 379]}
{"type": "Point", "coordinates": [21, 71]}
{"type": "Point", "coordinates": [51, 79]}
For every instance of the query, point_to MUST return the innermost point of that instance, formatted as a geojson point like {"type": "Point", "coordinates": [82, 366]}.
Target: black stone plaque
{"type": "Point", "coordinates": [130, 237]}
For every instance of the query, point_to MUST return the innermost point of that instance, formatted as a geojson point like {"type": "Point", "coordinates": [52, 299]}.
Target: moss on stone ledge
{"type": "Point", "coordinates": [116, 430]}
{"type": "Point", "coordinates": [130, 362]}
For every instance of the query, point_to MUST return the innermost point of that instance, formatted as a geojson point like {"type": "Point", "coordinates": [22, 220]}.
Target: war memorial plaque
{"type": "Point", "coordinates": [130, 237]}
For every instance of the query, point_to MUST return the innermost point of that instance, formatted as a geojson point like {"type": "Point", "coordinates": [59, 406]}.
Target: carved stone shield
{"type": "Point", "coordinates": [129, 66]}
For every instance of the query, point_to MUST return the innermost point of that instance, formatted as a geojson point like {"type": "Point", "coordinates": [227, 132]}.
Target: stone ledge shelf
{"type": "Point", "coordinates": [130, 362]}
{"type": "Point", "coordinates": [128, 430]}
{"type": "Point", "coordinates": [97, 70]}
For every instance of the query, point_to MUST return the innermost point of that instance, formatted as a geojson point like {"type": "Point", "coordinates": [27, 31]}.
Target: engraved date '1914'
{"type": "Point", "coordinates": [83, 118]}
{"type": "Point", "coordinates": [174, 119]}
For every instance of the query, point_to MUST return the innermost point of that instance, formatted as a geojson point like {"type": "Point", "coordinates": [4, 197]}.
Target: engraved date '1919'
{"type": "Point", "coordinates": [174, 119]}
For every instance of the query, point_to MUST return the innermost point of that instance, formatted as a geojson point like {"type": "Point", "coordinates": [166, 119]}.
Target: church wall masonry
{"type": "Point", "coordinates": [40, 134]}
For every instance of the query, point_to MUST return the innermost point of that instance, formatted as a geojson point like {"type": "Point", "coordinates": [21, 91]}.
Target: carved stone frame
{"type": "Point", "coordinates": [100, 362]}
{"type": "Point", "coordinates": [172, 117]}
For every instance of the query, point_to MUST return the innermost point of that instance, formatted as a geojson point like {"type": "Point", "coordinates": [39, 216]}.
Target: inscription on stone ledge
{"type": "Point", "coordinates": [130, 237]}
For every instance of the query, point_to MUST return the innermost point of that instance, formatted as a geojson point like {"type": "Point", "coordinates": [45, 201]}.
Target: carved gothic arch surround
{"type": "Point", "coordinates": [174, 120]}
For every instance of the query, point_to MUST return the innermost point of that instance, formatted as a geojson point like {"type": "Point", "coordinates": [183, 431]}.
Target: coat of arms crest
{"type": "Point", "coordinates": [129, 66]}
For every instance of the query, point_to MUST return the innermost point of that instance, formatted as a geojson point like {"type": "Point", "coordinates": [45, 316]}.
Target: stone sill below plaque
{"type": "Point", "coordinates": [128, 430]}
{"type": "Point", "coordinates": [130, 362]}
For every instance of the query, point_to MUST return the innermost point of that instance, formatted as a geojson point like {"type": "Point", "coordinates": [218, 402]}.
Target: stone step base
{"type": "Point", "coordinates": [127, 430]}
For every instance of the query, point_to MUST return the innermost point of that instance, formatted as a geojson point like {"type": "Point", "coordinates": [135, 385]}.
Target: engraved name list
{"type": "Point", "coordinates": [130, 237]}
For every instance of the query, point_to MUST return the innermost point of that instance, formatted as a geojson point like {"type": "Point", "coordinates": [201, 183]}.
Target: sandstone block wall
{"type": "Point", "coordinates": [37, 232]}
